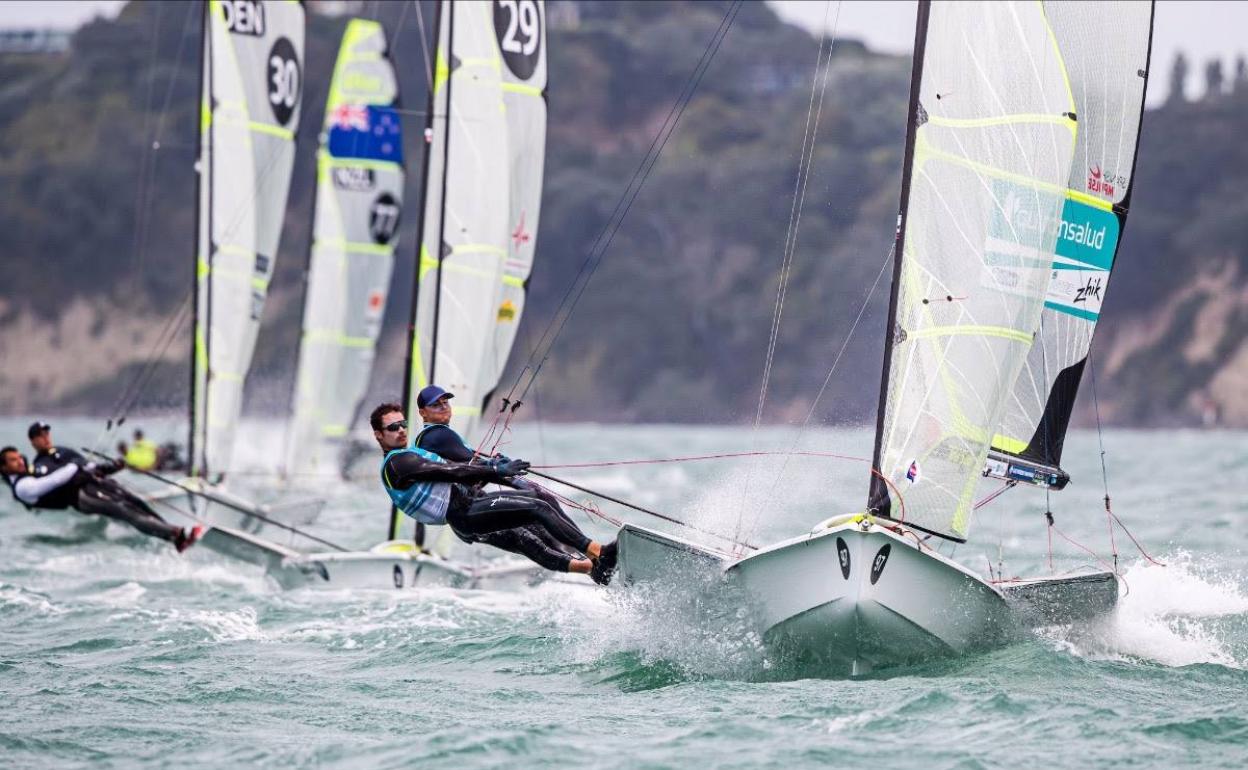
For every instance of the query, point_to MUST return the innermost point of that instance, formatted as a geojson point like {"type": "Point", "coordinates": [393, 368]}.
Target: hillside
{"type": "Point", "coordinates": [96, 225]}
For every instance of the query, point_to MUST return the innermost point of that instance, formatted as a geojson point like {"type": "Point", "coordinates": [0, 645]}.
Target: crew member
{"type": "Point", "coordinates": [61, 478]}
{"type": "Point", "coordinates": [437, 436]}
{"type": "Point", "coordinates": [435, 491]}
{"type": "Point", "coordinates": [142, 454]}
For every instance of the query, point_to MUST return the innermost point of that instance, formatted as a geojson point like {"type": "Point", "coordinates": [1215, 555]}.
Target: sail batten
{"type": "Point", "coordinates": [251, 83]}
{"type": "Point", "coordinates": [359, 193]}
{"type": "Point", "coordinates": [992, 135]}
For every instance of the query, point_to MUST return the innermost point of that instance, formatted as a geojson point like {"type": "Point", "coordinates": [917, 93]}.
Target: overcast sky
{"type": "Point", "coordinates": [1201, 28]}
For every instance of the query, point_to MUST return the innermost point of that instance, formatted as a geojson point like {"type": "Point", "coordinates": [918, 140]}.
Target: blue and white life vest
{"type": "Point", "coordinates": [424, 501]}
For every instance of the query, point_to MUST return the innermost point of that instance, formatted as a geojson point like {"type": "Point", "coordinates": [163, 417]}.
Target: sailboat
{"type": "Point", "coordinates": [482, 175]}
{"type": "Point", "coordinates": [251, 79]}
{"type": "Point", "coordinates": [359, 198]}
{"type": "Point", "coordinates": [1008, 102]}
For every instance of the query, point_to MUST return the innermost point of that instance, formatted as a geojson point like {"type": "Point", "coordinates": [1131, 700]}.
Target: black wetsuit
{"type": "Point", "coordinates": [478, 516]}
{"type": "Point", "coordinates": [533, 541]}
{"type": "Point", "coordinates": [95, 493]}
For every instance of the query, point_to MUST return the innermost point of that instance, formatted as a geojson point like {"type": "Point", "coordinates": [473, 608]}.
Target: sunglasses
{"type": "Point", "coordinates": [396, 426]}
{"type": "Point", "coordinates": [442, 403]}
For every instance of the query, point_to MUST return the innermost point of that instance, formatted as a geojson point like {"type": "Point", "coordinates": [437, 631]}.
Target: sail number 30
{"type": "Point", "coordinates": [284, 81]}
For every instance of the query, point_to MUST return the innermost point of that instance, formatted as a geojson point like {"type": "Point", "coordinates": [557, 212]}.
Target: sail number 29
{"type": "Point", "coordinates": [524, 19]}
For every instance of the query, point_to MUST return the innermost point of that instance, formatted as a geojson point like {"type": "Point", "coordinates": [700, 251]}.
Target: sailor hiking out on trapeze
{"type": "Point", "coordinates": [436, 489]}
{"type": "Point", "coordinates": [61, 478]}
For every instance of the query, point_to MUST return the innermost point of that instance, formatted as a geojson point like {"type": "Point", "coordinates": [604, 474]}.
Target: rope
{"type": "Point", "coordinates": [223, 503]}
{"type": "Point", "coordinates": [1100, 438]}
{"type": "Point", "coordinates": [800, 186]}
{"type": "Point", "coordinates": [695, 458]}
{"type": "Point", "coordinates": [994, 495]}
{"type": "Point", "coordinates": [647, 511]}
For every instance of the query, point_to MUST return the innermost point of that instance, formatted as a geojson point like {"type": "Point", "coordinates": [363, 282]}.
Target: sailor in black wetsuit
{"type": "Point", "coordinates": [433, 490]}
{"type": "Point", "coordinates": [61, 478]}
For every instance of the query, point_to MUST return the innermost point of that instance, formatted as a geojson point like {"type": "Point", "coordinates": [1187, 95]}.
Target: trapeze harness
{"type": "Point", "coordinates": [424, 501]}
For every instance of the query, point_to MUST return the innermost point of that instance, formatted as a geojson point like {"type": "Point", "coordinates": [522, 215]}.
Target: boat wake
{"type": "Point", "coordinates": [1186, 613]}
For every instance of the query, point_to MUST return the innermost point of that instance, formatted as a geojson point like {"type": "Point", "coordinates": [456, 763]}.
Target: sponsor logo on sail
{"type": "Point", "coordinates": [913, 474]}
{"type": "Point", "coordinates": [1082, 234]}
{"type": "Point", "coordinates": [1091, 290]}
{"type": "Point", "coordinates": [354, 179]}
{"type": "Point", "coordinates": [507, 311]}
{"type": "Point", "coordinates": [1104, 183]}
{"type": "Point", "coordinates": [520, 236]}
{"type": "Point", "coordinates": [244, 17]}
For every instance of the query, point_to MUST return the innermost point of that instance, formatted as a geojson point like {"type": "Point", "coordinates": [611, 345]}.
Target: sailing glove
{"type": "Point", "coordinates": [512, 467]}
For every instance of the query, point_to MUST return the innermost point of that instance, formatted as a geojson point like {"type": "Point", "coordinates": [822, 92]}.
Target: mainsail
{"type": "Point", "coordinates": [1106, 49]}
{"type": "Point", "coordinates": [482, 199]}
{"type": "Point", "coordinates": [249, 110]}
{"type": "Point", "coordinates": [359, 195]}
{"type": "Point", "coordinates": [991, 138]}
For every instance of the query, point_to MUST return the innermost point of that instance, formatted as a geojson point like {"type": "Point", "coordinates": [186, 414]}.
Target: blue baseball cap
{"type": "Point", "coordinates": [429, 394]}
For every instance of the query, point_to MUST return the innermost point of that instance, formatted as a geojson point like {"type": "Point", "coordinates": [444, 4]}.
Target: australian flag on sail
{"type": "Point", "coordinates": [369, 133]}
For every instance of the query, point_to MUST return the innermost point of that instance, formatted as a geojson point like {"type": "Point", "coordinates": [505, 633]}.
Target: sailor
{"type": "Point", "coordinates": [61, 478]}
{"type": "Point", "coordinates": [434, 490]}
{"type": "Point", "coordinates": [142, 454]}
{"type": "Point", "coordinates": [437, 436]}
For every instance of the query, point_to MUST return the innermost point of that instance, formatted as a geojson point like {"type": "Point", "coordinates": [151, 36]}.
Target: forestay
{"type": "Point", "coordinates": [989, 149]}
{"type": "Point", "coordinates": [482, 199]}
{"type": "Point", "coordinates": [1106, 49]}
{"type": "Point", "coordinates": [359, 197]}
{"type": "Point", "coordinates": [252, 77]}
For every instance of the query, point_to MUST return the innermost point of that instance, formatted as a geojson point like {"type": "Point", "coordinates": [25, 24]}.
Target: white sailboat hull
{"type": "Point", "coordinates": [857, 596]}
{"type": "Point", "coordinates": [397, 565]}
{"type": "Point", "coordinates": [853, 599]}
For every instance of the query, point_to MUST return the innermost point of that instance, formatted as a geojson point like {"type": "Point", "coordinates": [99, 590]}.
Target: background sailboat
{"type": "Point", "coordinates": [251, 81]}
{"type": "Point", "coordinates": [359, 198]}
{"type": "Point", "coordinates": [482, 176]}
{"type": "Point", "coordinates": [482, 181]}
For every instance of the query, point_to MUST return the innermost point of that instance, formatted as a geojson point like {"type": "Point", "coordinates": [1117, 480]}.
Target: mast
{"type": "Point", "coordinates": [877, 496]}
{"type": "Point", "coordinates": [393, 530]}
{"type": "Point", "coordinates": [202, 167]}
{"type": "Point", "coordinates": [446, 158]}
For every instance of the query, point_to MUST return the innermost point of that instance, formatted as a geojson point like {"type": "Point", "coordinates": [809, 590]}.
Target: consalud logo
{"type": "Point", "coordinates": [1084, 234]}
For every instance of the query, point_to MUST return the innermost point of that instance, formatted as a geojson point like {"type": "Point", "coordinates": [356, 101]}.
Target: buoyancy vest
{"type": "Point", "coordinates": [425, 501]}
{"type": "Point", "coordinates": [64, 496]}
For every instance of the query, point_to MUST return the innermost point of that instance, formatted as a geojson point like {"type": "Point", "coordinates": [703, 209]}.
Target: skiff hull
{"type": "Point", "coordinates": [855, 596]}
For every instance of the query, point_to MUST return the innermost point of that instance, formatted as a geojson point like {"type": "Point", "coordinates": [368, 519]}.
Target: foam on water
{"type": "Point", "coordinates": [1164, 617]}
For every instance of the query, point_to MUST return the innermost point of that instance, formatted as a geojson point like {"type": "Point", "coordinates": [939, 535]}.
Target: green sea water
{"type": "Point", "coordinates": [115, 651]}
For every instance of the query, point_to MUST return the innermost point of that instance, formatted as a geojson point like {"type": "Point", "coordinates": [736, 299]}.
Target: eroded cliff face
{"type": "Point", "coordinates": [1186, 362]}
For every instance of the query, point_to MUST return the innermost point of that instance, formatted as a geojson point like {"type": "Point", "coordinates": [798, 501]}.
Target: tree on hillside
{"type": "Point", "coordinates": [1213, 79]}
{"type": "Point", "coordinates": [1178, 79]}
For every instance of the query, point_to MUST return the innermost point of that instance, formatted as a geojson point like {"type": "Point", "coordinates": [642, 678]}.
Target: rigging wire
{"type": "Point", "coordinates": [424, 45]}
{"type": "Point", "coordinates": [602, 243]}
{"type": "Point", "coordinates": [800, 185]}
{"type": "Point", "coordinates": [145, 158]}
